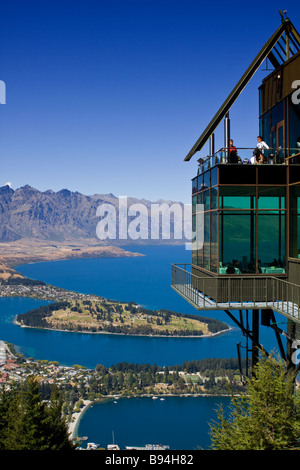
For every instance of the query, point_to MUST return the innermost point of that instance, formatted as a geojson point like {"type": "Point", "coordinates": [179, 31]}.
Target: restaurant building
{"type": "Point", "coordinates": [246, 208]}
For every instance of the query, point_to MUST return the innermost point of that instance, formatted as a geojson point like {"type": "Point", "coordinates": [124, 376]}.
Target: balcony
{"type": "Point", "coordinates": [232, 293]}
{"type": "Point", "coordinates": [277, 156]}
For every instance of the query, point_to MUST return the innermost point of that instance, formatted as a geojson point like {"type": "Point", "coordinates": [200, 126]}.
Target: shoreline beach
{"type": "Point", "coordinates": [74, 424]}
{"type": "Point", "coordinates": [127, 334]}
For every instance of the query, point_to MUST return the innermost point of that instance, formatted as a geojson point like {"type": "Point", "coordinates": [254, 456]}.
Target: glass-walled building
{"type": "Point", "coordinates": [246, 207]}
{"type": "Point", "coordinates": [251, 213]}
{"type": "Point", "coordinates": [244, 219]}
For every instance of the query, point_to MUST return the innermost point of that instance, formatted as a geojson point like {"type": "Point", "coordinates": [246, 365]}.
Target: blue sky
{"type": "Point", "coordinates": [110, 96]}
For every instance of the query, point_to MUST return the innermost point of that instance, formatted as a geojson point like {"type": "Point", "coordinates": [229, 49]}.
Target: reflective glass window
{"type": "Point", "coordinates": [206, 199]}
{"type": "Point", "coordinates": [238, 197]}
{"type": "Point", "coordinates": [214, 177]}
{"type": "Point", "coordinates": [206, 180]}
{"type": "Point", "coordinates": [206, 245]}
{"type": "Point", "coordinates": [194, 186]}
{"type": "Point", "coordinates": [237, 242]}
{"type": "Point", "coordinates": [214, 260]}
{"type": "Point", "coordinates": [271, 242]}
{"type": "Point", "coordinates": [271, 197]}
{"type": "Point", "coordinates": [294, 229]}
{"type": "Point", "coordinates": [214, 198]}
{"type": "Point", "coordinates": [194, 203]}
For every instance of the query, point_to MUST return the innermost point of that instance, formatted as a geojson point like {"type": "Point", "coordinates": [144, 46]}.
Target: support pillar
{"type": "Point", "coordinates": [255, 336]}
{"type": "Point", "coordinates": [290, 347]}
{"type": "Point", "coordinates": [212, 145]}
{"type": "Point", "coordinates": [227, 136]}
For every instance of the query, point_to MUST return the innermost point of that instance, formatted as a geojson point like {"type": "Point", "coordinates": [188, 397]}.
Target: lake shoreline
{"type": "Point", "coordinates": [228, 329]}
{"type": "Point", "coordinates": [74, 424]}
{"type": "Point", "coordinates": [126, 334]}
{"type": "Point", "coordinates": [33, 251]}
{"type": "Point", "coordinates": [121, 279]}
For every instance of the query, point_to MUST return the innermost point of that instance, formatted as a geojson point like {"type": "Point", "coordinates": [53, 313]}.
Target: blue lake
{"type": "Point", "coordinates": [145, 280]}
{"type": "Point", "coordinates": [180, 422]}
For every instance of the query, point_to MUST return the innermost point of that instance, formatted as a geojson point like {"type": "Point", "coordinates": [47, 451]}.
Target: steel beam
{"type": "Point", "coordinates": [265, 52]}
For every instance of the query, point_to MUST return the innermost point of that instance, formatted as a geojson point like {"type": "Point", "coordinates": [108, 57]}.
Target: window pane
{"type": "Point", "coordinates": [200, 182]}
{"type": "Point", "coordinates": [295, 222]}
{"type": "Point", "coordinates": [200, 258]}
{"type": "Point", "coordinates": [277, 114]}
{"type": "Point", "coordinates": [194, 186]}
{"type": "Point", "coordinates": [200, 199]}
{"type": "Point", "coordinates": [294, 126]}
{"type": "Point", "coordinates": [213, 198]}
{"type": "Point", "coordinates": [206, 179]}
{"type": "Point", "coordinates": [194, 203]}
{"type": "Point", "coordinates": [194, 251]}
{"type": "Point", "coordinates": [271, 242]}
{"type": "Point", "coordinates": [214, 177]}
{"type": "Point", "coordinates": [197, 254]}
{"type": "Point", "coordinates": [214, 261]}
{"type": "Point", "coordinates": [237, 242]}
{"type": "Point", "coordinates": [271, 197]}
{"type": "Point", "coordinates": [265, 128]}
{"type": "Point", "coordinates": [239, 197]}
{"type": "Point", "coordinates": [206, 260]}
{"type": "Point", "coordinates": [206, 200]}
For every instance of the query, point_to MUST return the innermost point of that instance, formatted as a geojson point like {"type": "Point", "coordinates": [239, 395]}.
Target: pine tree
{"type": "Point", "coordinates": [57, 428]}
{"type": "Point", "coordinates": [4, 406]}
{"type": "Point", "coordinates": [30, 424]}
{"type": "Point", "coordinates": [266, 417]}
{"type": "Point", "coordinates": [14, 434]}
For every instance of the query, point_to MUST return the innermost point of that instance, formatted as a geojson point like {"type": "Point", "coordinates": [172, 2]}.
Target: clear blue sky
{"type": "Point", "coordinates": [110, 96]}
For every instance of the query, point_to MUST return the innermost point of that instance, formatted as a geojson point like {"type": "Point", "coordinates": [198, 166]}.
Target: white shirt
{"type": "Point", "coordinates": [261, 145]}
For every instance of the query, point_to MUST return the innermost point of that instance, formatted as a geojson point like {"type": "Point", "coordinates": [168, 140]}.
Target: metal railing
{"type": "Point", "coordinates": [271, 156]}
{"type": "Point", "coordinates": [228, 293]}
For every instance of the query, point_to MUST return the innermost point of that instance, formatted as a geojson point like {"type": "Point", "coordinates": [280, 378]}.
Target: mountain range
{"type": "Point", "coordinates": [61, 216]}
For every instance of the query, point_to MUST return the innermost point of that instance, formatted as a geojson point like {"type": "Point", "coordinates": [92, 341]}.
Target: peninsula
{"type": "Point", "coordinates": [89, 313]}
{"type": "Point", "coordinates": [28, 250]}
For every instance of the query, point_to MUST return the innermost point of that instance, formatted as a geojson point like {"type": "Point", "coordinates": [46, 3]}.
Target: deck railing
{"type": "Point", "coordinates": [228, 293]}
{"type": "Point", "coordinates": [272, 156]}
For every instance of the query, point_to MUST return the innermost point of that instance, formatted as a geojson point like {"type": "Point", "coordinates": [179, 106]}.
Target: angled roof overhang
{"type": "Point", "coordinates": [284, 43]}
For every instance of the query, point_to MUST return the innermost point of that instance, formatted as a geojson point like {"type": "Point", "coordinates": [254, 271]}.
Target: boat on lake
{"type": "Point", "coordinates": [113, 447]}
{"type": "Point", "coordinates": [149, 447]}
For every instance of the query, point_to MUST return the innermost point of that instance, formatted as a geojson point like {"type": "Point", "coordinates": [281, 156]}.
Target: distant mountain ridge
{"type": "Point", "coordinates": [58, 216]}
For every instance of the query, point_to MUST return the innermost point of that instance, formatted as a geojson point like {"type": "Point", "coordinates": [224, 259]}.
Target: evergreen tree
{"type": "Point", "coordinates": [57, 428]}
{"type": "Point", "coordinates": [7, 397]}
{"type": "Point", "coordinates": [13, 436]}
{"type": "Point", "coordinates": [30, 424]}
{"type": "Point", "coordinates": [266, 417]}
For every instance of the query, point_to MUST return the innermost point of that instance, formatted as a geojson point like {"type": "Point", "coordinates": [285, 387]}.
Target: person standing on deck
{"type": "Point", "coordinates": [261, 145]}
{"type": "Point", "coordinates": [233, 157]}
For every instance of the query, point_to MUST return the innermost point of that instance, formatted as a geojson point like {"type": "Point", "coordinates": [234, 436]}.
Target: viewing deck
{"type": "Point", "coordinates": [232, 293]}
{"type": "Point", "coordinates": [272, 156]}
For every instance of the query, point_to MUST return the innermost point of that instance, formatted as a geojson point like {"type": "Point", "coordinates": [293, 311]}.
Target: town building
{"type": "Point", "coordinates": [246, 208]}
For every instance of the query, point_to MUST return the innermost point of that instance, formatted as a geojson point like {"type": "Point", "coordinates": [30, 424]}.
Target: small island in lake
{"type": "Point", "coordinates": [108, 316]}
{"type": "Point", "coordinates": [88, 313]}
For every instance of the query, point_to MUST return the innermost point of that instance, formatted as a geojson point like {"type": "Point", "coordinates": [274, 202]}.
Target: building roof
{"type": "Point", "coordinates": [281, 46]}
